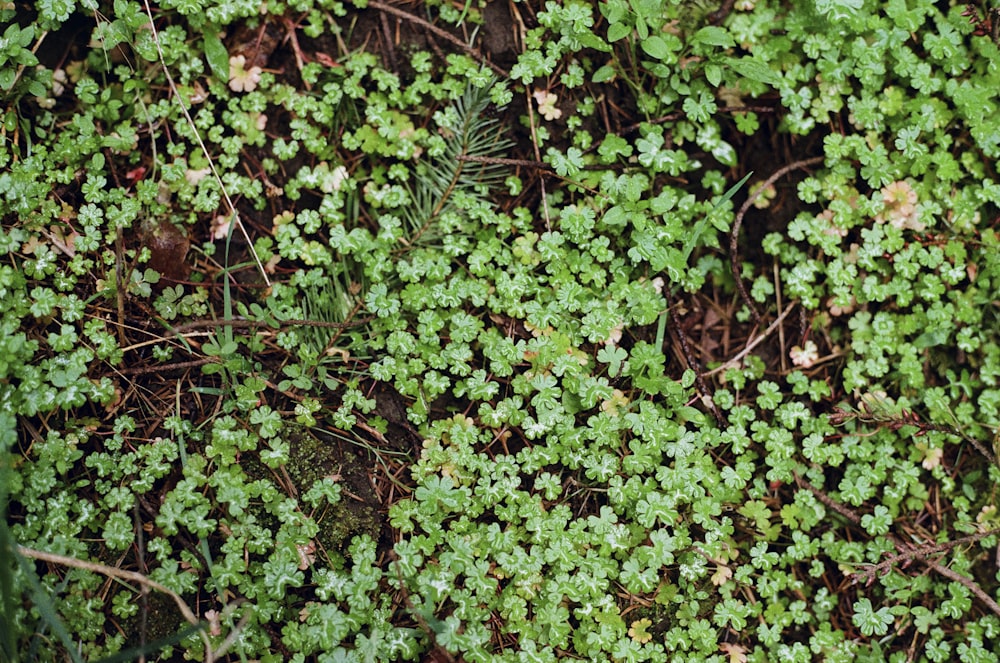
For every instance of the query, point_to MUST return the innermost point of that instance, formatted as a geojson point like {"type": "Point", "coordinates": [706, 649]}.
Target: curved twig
{"type": "Point", "coordinates": [968, 583]}
{"type": "Point", "coordinates": [112, 572]}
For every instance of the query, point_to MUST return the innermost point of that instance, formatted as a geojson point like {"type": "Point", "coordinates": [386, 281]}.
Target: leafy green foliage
{"type": "Point", "coordinates": [477, 377]}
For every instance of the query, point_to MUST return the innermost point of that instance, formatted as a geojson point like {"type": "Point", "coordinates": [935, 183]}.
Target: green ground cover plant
{"type": "Point", "coordinates": [632, 330]}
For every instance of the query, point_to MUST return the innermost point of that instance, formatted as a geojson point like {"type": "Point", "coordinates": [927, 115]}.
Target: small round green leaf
{"type": "Point", "coordinates": [604, 74]}
{"type": "Point", "coordinates": [655, 47]}
{"type": "Point", "coordinates": [217, 56]}
{"type": "Point", "coordinates": [618, 31]}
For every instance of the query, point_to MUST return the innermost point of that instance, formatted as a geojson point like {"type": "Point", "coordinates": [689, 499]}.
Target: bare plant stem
{"type": "Point", "coordinates": [247, 324]}
{"type": "Point", "coordinates": [917, 552]}
{"type": "Point", "coordinates": [695, 365]}
{"type": "Point", "coordinates": [828, 501]}
{"type": "Point", "coordinates": [968, 583]}
{"type": "Point", "coordinates": [163, 368]}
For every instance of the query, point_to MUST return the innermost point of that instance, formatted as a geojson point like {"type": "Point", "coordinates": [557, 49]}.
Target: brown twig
{"type": "Point", "coordinates": [828, 501]}
{"type": "Point", "coordinates": [443, 34]}
{"type": "Point", "coordinates": [910, 552]}
{"type": "Point", "coordinates": [968, 583]}
{"type": "Point", "coordinates": [695, 365]}
{"type": "Point", "coordinates": [500, 161]}
{"type": "Point", "coordinates": [753, 344]}
{"type": "Point", "coordinates": [230, 205]}
{"type": "Point", "coordinates": [896, 420]}
{"type": "Point", "coordinates": [162, 368]}
{"type": "Point", "coordinates": [917, 552]}
{"type": "Point", "coordinates": [720, 15]}
{"type": "Point", "coordinates": [734, 236]}
{"type": "Point", "coordinates": [112, 572]}
{"type": "Point", "coordinates": [120, 282]}
{"type": "Point", "coordinates": [390, 49]}
{"type": "Point", "coordinates": [538, 158]}
{"type": "Point", "coordinates": [140, 547]}
{"type": "Point", "coordinates": [540, 165]}
{"type": "Point", "coordinates": [245, 324]}
{"type": "Point", "coordinates": [979, 447]}
{"type": "Point", "coordinates": [439, 652]}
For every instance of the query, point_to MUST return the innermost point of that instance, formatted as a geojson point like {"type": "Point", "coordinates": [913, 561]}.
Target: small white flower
{"type": "Point", "coordinates": [195, 175]}
{"type": "Point", "coordinates": [242, 79]}
{"type": "Point", "coordinates": [932, 457]}
{"type": "Point", "coordinates": [221, 225]}
{"type": "Point", "coordinates": [214, 622]}
{"type": "Point", "coordinates": [900, 207]}
{"type": "Point", "coordinates": [59, 80]}
{"type": "Point", "coordinates": [334, 180]}
{"type": "Point", "coordinates": [805, 356]}
{"type": "Point", "coordinates": [547, 104]}
{"type": "Point", "coordinates": [615, 336]}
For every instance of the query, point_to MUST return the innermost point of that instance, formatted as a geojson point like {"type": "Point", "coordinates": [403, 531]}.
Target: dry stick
{"type": "Point", "coordinates": [734, 236]}
{"type": "Point", "coordinates": [828, 501]}
{"type": "Point", "coordinates": [908, 552]}
{"type": "Point", "coordinates": [235, 324]}
{"type": "Point", "coordinates": [722, 12]}
{"type": "Point", "coordinates": [917, 552]}
{"type": "Point", "coordinates": [980, 448]}
{"type": "Point", "coordinates": [120, 282]}
{"type": "Point", "coordinates": [390, 48]}
{"type": "Point", "coordinates": [968, 583]}
{"type": "Point", "coordinates": [197, 135]}
{"type": "Point", "coordinates": [112, 572]}
{"type": "Point", "coordinates": [233, 635]}
{"type": "Point", "coordinates": [538, 157]}
{"type": "Point", "coordinates": [781, 328]}
{"type": "Point", "coordinates": [541, 165]}
{"type": "Point", "coordinates": [957, 432]}
{"type": "Point", "coordinates": [163, 368]}
{"type": "Point", "coordinates": [473, 52]}
{"type": "Point", "coordinates": [544, 167]}
{"type": "Point", "coordinates": [521, 32]}
{"type": "Point", "coordinates": [245, 324]}
{"type": "Point", "coordinates": [140, 546]}
{"type": "Point", "coordinates": [501, 161]}
{"type": "Point", "coordinates": [439, 207]}
{"type": "Point", "coordinates": [417, 617]}
{"type": "Point", "coordinates": [695, 365]}
{"type": "Point", "coordinates": [34, 51]}
{"type": "Point", "coordinates": [120, 276]}
{"type": "Point", "coordinates": [753, 344]}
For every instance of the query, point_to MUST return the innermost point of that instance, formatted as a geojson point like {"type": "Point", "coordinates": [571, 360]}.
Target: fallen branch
{"type": "Point", "coordinates": [909, 553]}
{"type": "Point", "coordinates": [121, 574]}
